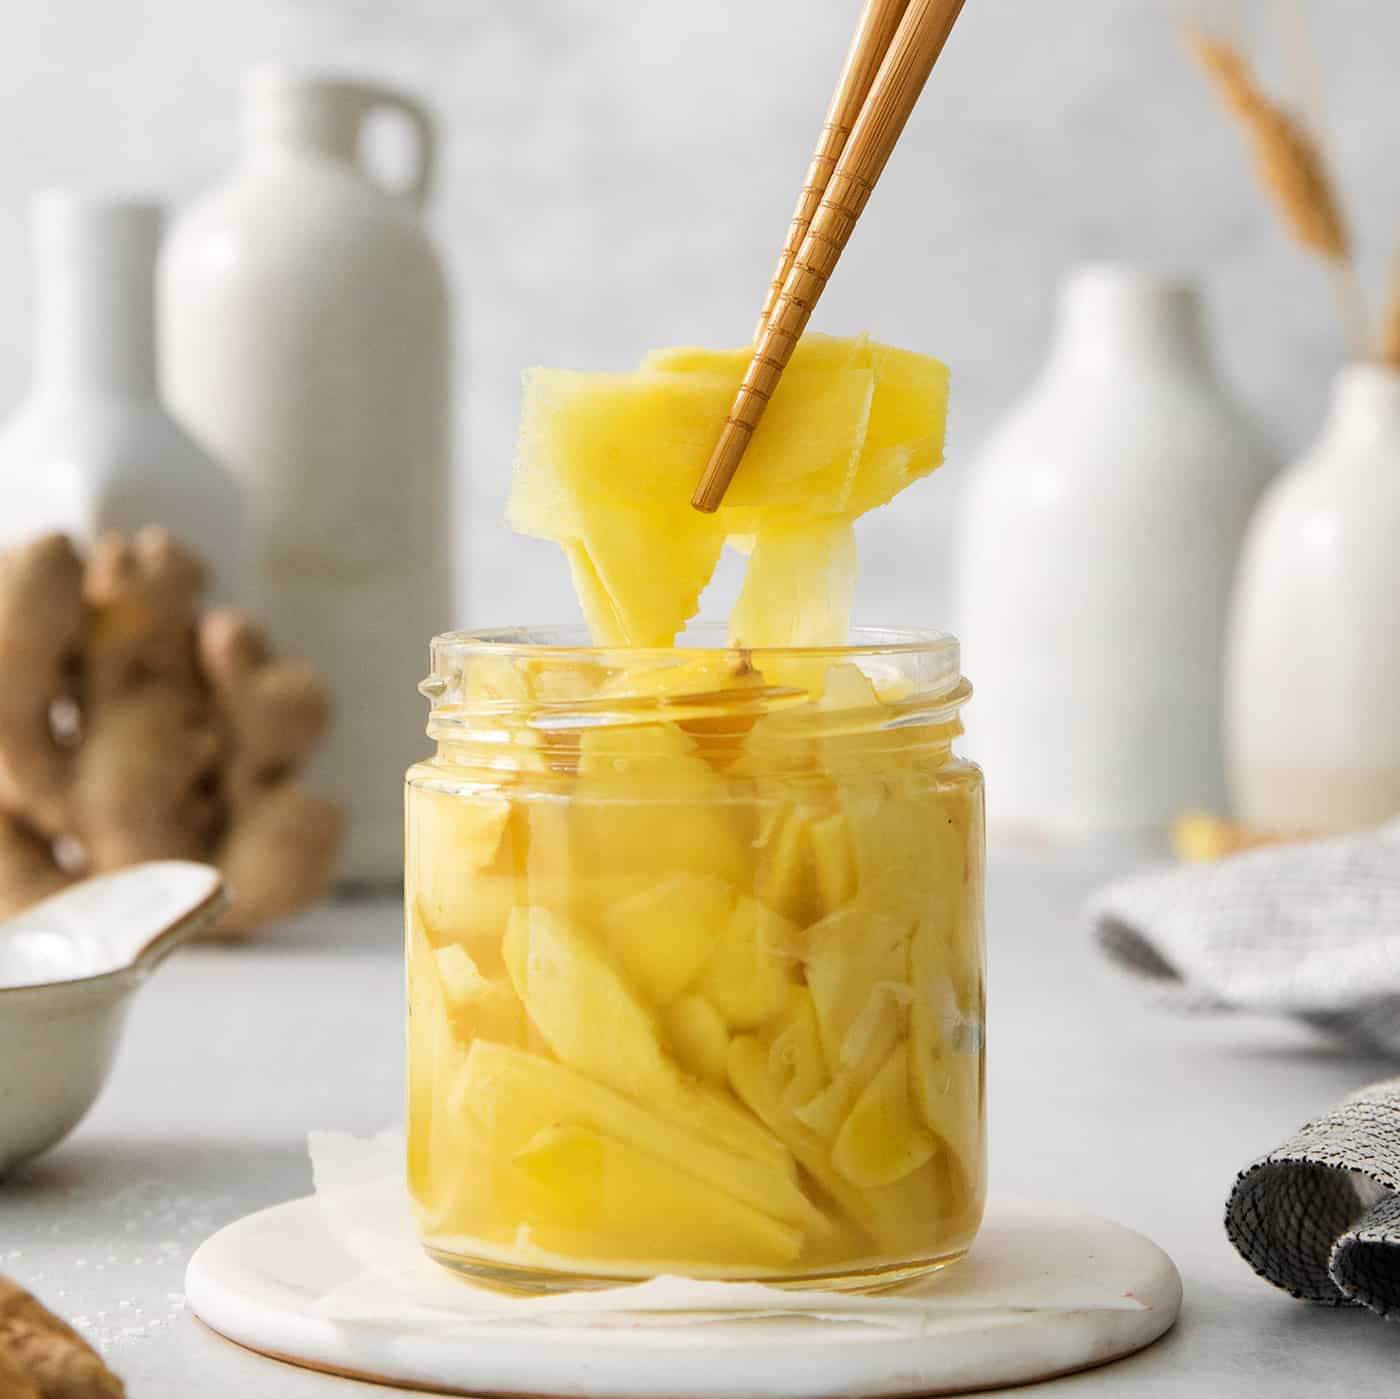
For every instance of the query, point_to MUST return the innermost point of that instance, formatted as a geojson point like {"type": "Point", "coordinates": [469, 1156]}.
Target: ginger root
{"type": "Point", "coordinates": [133, 728]}
{"type": "Point", "coordinates": [42, 1357]}
{"type": "Point", "coordinates": [277, 710]}
{"type": "Point", "coordinates": [1201, 836]}
{"type": "Point", "coordinates": [41, 627]}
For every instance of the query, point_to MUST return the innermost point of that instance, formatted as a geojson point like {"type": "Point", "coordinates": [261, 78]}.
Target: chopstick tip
{"type": "Point", "coordinates": [705, 500]}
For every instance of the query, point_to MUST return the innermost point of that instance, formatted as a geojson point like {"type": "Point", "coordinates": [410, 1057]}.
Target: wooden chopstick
{"type": "Point", "coordinates": [878, 22]}
{"type": "Point", "coordinates": [918, 41]}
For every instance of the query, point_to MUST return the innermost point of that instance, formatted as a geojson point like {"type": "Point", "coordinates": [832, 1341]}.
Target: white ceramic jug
{"type": "Point", "coordinates": [91, 448]}
{"type": "Point", "coordinates": [305, 330]}
{"type": "Point", "coordinates": [1313, 707]}
{"type": "Point", "coordinates": [1098, 540]}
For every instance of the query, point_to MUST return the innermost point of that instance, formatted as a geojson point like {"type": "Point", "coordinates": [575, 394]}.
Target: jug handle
{"type": "Point", "coordinates": [377, 99]}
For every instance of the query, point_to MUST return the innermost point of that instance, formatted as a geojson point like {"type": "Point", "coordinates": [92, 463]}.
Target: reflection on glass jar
{"type": "Point", "coordinates": [695, 962]}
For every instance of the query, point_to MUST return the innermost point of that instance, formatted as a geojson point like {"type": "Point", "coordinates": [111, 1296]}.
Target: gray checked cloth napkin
{"type": "Point", "coordinates": [1310, 930]}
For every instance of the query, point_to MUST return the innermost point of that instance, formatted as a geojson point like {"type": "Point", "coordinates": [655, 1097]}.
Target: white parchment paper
{"type": "Point", "coordinates": [1025, 1259]}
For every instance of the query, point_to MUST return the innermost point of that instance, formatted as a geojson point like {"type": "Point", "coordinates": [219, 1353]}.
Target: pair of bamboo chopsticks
{"type": "Point", "coordinates": [895, 47]}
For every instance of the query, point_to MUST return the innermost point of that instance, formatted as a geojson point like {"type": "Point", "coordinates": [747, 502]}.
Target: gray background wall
{"type": "Point", "coordinates": [617, 174]}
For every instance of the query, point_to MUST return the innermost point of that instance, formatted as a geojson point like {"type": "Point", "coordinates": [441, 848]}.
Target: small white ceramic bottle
{"type": "Point", "coordinates": [305, 330]}
{"type": "Point", "coordinates": [91, 448]}
{"type": "Point", "coordinates": [1313, 697]}
{"type": "Point", "coordinates": [1098, 540]}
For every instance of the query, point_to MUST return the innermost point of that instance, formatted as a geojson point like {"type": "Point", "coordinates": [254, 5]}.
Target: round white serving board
{"type": "Point", "coordinates": [257, 1280]}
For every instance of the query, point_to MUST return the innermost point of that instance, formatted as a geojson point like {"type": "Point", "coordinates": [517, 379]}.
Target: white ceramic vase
{"type": "Point", "coordinates": [1313, 699]}
{"type": "Point", "coordinates": [1098, 540]}
{"type": "Point", "coordinates": [91, 449]}
{"type": "Point", "coordinates": [305, 330]}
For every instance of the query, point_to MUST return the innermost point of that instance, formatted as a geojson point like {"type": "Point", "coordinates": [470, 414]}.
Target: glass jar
{"type": "Point", "coordinates": [695, 964]}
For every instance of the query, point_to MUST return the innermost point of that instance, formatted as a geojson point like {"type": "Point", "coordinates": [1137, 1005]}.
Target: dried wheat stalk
{"type": "Point", "coordinates": [1291, 167]}
{"type": "Point", "coordinates": [1289, 162]}
{"type": "Point", "coordinates": [1388, 337]}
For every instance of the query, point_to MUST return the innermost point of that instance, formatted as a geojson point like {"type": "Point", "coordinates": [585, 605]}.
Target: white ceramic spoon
{"type": "Point", "coordinates": [68, 968]}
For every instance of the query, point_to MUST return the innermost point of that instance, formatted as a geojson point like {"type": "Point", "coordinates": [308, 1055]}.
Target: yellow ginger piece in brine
{"type": "Point", "coordinates": [648, 805]}
{"type": "Point", "coordinates": [832, 861]}
{"type": "Point", "coordinates": [945, 1040]}
{"type": "Point", "coordinates": [594, 1022]}
{"type": "Point", "coordinates": [947, 944]}
{"type": "Point", "coordinates": [665, 932]}
{"type": "Point", "coordinates": [686, 678]}
{"type": "Point", "coordinates": [748, 975]}
{"type": "Point", "coordinates": [856, 968]}
{"type": "Point", "coordinates": [483, 1195]}
{"type": "Point", "coordinates": [600, 1198]}
{"type": "Point", "coordinates": [845, 686]}
{"type": "Point", "coordinates": [843, 730]}
{"type": "Point", "coordinates": [479, 921]}
{"type": "Point", "coordinates": [501, 693]}
{"type": "Point", "coordinates": [586, 1012]}
{"type": "Point", "coordinates": [945, 1075]}
{"type": "Point", "coordinates": [458, 865]}
{"type": "Point", "coordinates": [875, 1035]}
{"type": "Point", "coordinates": [478, 1006]}
{"type": "Point", "coordinates": [560, 871]}
{"type": "Point", "coordinates": [795, 1049]}
{"type": "Point", "coordinates": [896, 1218]}
{"type": "Point", "coordinates": [882, 1140]}
{"type": "Point", "coordinates": [804, 861]}
{"type": "Point", "coordinates": [714, 697]}
{"type": "Point", "coordinates": [908, 851]}
{"type": "Point", "coordinates": [435, 1058]}
{"type": "Point", "coordinates": [969, 821]}
{"type": "Point", "coordinates": [642, 757]}
{"type": "Point", "coordinates": [699, 1036]}
{"type": "Point", "coordinates": [503, 687]}
{"type": "Point", "coordinates": [515, 1096]}
{"type": "Point", "coordinates": [782, 874]}
{"type": "Point", "coordinates": [848, 955]}
{"type": "Point", "coordinates": [464, 829]}
{"type": "Point", "coordinates": [426, 1018]}
{"type": "Point", "coordinates": [807, 859]}
{"type": "Point", "coordinates": [781, 1074]}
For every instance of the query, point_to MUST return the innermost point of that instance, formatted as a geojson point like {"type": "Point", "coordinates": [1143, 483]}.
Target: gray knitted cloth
{"type": "Point", "coordinates": [1320, 1215]}
{"type": "Point", "coordinates": [1309, 930]}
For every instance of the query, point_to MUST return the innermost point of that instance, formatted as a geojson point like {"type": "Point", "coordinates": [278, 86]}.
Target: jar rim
{"type": "Point", "coordinates": [571, 642]}
{"type": "Point", "coordinates": [554, 679]}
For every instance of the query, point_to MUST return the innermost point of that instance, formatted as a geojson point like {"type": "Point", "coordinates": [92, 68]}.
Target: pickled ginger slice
{"type": "Point", "coordinates": [798, 588]}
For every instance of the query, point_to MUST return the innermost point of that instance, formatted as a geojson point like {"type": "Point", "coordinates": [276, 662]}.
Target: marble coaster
{"type": "Point", "coordinates": [1042, 1293]}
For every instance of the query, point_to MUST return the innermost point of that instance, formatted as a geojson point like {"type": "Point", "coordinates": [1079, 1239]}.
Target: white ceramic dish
{"type": "Point", "coordinates": [1044, 1292]}
{"type": "Point", "coordinates": [68, 968]}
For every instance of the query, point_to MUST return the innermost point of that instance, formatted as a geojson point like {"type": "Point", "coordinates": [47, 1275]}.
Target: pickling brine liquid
{"type": "Point", "coordinates": [695, 964]}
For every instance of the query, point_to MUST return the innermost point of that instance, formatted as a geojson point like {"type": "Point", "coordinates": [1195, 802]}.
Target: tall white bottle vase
{"type": "Point", "coordinates": [90, 448]}
{"type": "Point", "coordinates": [305, 329]}
{"type": "Point", "coordinates": [1313, 697]}
{"type": "Point", "coordinates": [1098, 540]}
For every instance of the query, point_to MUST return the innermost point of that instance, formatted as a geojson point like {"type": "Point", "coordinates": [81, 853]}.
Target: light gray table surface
{"type": "Point", "coordinates": [1097, 1102]}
